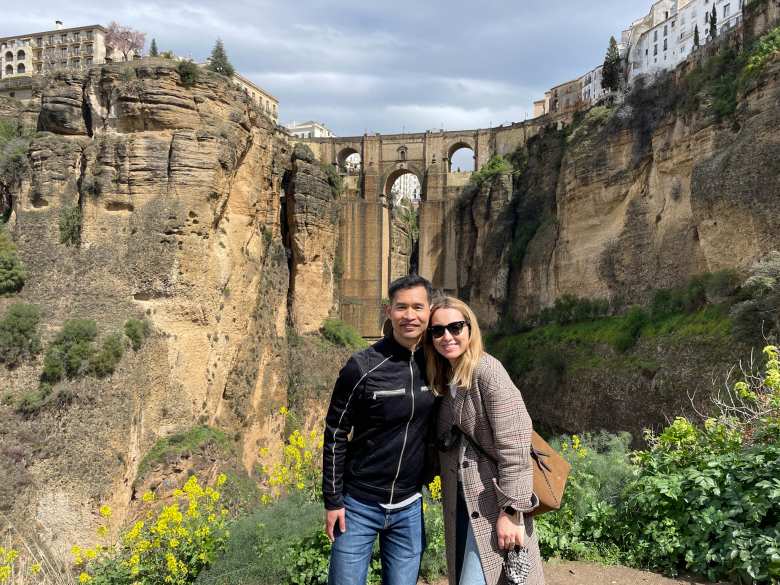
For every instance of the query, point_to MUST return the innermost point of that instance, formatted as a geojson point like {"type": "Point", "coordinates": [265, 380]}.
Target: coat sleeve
{"type": "Point", "coordinates": [338, 423]}
{"type": "Point", "coordinates": [512, 429]}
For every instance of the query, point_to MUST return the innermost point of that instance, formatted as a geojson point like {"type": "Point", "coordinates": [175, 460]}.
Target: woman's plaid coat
{"type": "Point", "coordinates": [493, 414]}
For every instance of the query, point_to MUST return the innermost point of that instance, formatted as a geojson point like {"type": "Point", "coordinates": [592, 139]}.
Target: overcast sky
{"type": "Point", "coordinates": [379, 65]}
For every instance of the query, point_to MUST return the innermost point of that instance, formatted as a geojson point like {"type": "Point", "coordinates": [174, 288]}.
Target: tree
{"type": "Point", "coordinates": [153, 52]}
{"type": "Point", "coordinates": [713, 23]}
{"type": "Point", "coordinates": [218, 61]}
{"type": "Point", "coordinates": [696, 40]}
{"type": "Point", "coordinates": [610, 77]}
{"type": "Point", "coordinates": [125, 40]}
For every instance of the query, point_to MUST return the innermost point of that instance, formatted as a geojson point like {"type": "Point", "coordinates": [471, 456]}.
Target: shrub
{"type": "Point", "coordinates": [767, 47]}
{"type": "Point", "coordinates": [185, 442]}
{"type": "Point", "coordinates": [260, 541]}
{"type": "Point", "coordinates": [70, 351]}
{"type": "Point", "coordinates": [630, 329]}
{"type": "Point", "coordinates": [434, 560]}
{"type": "Point", "coordinates": [307, 562]}
{"type": "Point", "coordinates": [137, 330]}
{"type": "Point", "coordinates": [188, 73]}
{"type": "Point", "coordinates": [103, 362]}
{"type": "Point", "coordinates": [757, 315]}
{"type": "Point", "coordinates": [340, 333]}
{"type": "Point", "coordinates": [19, 337]}
{"type": "Point", "coordinates": [12, 273]}
{"type": "Point", "coordinates": [496, 166]}
{"type": "Point", "coordinates": [70, 226]}
{"type": "Point", "coordinates": [31, 402]}
{"type": "Point", "coordinates": [299, 470]}
{"type": "Point", "coordinates": [333, 178]}
{"type": "Point", "coordinates": [172, 546]}
{"type": "Point", "coordinates": [582, 528]}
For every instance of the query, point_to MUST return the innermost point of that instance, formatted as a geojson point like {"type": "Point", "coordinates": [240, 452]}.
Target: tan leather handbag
{"type": "Point", "coordinates": [551, 471]}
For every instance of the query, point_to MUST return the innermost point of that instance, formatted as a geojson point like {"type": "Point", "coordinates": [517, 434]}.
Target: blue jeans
{"type": "Point", "coordinates": [469, 566]}
{"type": "Point", "coordinates": [401, 543]}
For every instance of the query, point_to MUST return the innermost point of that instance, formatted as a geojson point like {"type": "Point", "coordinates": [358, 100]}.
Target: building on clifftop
{"type": "Point", "coordinates": [310, 129]}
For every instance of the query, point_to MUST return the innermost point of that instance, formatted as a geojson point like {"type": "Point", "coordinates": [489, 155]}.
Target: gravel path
{"type": "Point", "coordinates": [577, 573]}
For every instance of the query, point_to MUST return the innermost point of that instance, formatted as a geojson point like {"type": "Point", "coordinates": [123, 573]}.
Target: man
{"type": "Point", "coordinates": [375, 443]}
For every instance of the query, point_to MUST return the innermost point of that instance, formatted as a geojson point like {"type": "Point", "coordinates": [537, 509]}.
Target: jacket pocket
{"type": "Point", "coordinates": [388, 393]}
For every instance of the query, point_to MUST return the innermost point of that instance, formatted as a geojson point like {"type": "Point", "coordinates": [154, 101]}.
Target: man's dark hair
{"type": "Point", "coordinates": [411, 281]}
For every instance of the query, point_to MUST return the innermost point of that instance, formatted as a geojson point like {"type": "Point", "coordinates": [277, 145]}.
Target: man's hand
{"type": "Point", "coordinates": [331, 517]}
{"type": "Point", "coordinates": [510, 531]}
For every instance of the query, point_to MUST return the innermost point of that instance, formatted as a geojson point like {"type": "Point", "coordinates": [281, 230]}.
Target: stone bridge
{"type": "Point", "coordinates": [366, 261]}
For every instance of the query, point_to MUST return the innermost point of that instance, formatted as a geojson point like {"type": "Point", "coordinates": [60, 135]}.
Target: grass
{"type": "Point", "coordinates": [259, 543]}
{"type": "Point", "coordinates": [583, 343]}
{"type": "Point", "coordinates": [188, 441]}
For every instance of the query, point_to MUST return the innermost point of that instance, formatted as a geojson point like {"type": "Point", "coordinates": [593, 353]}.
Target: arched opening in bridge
{"type": "Point", "coordinates": [403, 191]}
{"type": "Point", "coordinates": [349, 161]}
{"type": "Point", "coordinates": [403, 184]}
{"type": "Point", "coordinates": [461, 158]}
{"type": "Point", "coordinates": [20, 68]}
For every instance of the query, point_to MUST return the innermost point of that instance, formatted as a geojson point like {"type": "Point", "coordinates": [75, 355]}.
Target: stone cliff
{"type": "Point", "coordinates": [627, 200]}
{"type": "Point", "coordinates": [195, 216]}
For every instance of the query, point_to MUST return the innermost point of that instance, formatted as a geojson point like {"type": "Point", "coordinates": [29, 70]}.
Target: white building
{"type": "Point", "coordinates": [310, 129]}
{"type": "Point", "coordinates": [592, 91]}
{"type": "Point", "coordinates": [669, 42]}
{"type": "Point", "coordinates": [51, 50]}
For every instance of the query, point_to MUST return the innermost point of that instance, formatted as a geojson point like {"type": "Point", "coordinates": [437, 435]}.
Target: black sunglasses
{"type": "Point", "coordinates": [454, 328]}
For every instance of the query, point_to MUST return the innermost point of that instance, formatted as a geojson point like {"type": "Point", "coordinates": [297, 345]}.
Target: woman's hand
{"type": "Point", "coordinates": [510, 530]}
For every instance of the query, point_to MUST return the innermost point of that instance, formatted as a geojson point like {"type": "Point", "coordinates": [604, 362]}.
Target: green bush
{"type": "Point", "coordinates": [70, 351]}
{"type": "Point", "coordinates": [260, 542]}
{"type": "Point", "coordinates": [185, 442]}
{"type": "Point", "coordinates": [137, 330]}
{"type": "Point", "coordinates": [582, 528]}
{"type": "Point", "coordinates": [70, 226]}
{"type": "Point", "coordinates": [757, 315]}
{"type": "Point", "coordinates": [571, 309]}
{"type": "Point", "coordinates": [631, 329]}
{"type": "Point", "coordinates": [334, 179]}
{"type": "Point", "coordinates": [766, 48]}
{"type": "Point", "coordinates": [31, 402]}
{"type": "Point", "coordinates": [495, 167]}
{"type": "Point", "coordinates": [19, 337]}
{"type": "Point", "coordinates": [189, 73]}
{"type": "Point", "coordinates": [340, 333]}
{"type": "Point", "coordinates": [434, 560]}
{"type": "Point", "coordinates": [12, 273]}
{"type": "Point", "coordinates": [307, 562]}
{"type": "Point", "coordinates": [103, 362]}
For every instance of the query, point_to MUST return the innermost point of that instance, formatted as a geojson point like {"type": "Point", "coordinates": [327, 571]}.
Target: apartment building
{"type": "Point", "coordinates": [668, 43]}
{"type": "Point", "coordinates": [310, 129]}
{"type": "Point", "coordinates": [262, 98]}
{"type": "Point", "coordinates": [47, 51]}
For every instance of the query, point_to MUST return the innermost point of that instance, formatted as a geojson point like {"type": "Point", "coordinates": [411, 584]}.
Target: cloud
{"type": "Point", "coordinates": [376, 66]}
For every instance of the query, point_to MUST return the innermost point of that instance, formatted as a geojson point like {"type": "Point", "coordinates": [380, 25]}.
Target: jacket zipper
{"type": "Point", "coordinates": [406, 432]}
{"type": "Point", "coordinates": [399, 392]}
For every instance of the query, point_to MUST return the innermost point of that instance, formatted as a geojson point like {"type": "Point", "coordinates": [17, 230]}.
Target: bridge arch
{"type": "Point", "coordinates": [344, 154]}
{"type": "Point", "coordinates": [391, 177]}
{"type": "Point", "coordinates": [457, 146]}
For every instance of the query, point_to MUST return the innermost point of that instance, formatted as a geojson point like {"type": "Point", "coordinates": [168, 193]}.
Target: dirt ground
{"type": "Point", "coordinates": [577, 573]}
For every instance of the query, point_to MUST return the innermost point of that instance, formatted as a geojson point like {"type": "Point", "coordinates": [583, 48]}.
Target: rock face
{"type": "Point", "coordinates": [313, 218]}
{"type": "Point", "coordinates": [630, 201]}
{"type": "Point", "coordinates": [181, 199]}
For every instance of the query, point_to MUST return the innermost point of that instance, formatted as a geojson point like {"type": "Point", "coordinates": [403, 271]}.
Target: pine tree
{"type": "Point", "coordinates": [153, 52]}
{"type": "Point", "coordinates": [610, 77]}
{"type": "Point", "coordinates": [713, 23]}
{"type": "Point", "coordinates": [218, 61]}
{"type": "Point", "coordinates": [696, 40]}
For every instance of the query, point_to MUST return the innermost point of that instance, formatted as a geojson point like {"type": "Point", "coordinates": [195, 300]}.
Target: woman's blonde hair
{"type": "Point", "coordinates": [440, 372]}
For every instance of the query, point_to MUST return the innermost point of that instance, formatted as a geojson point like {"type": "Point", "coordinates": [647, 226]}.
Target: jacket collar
{"type": "Point", "coordinates": [399, 350]}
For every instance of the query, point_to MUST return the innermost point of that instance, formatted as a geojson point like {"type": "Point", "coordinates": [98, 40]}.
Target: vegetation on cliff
{"type": "Point", "coordinates": [12, 272]}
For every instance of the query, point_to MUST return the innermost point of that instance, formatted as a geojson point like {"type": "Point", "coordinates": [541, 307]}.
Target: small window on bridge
{"type": "Point", "coordinates": [462, 160]}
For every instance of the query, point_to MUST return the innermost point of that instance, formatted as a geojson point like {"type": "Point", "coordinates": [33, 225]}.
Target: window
{"type": "Point", "coordinates": [673, 23]}
{"type": "Point", "coordinates": [63, 38]}
{"type": "Point", "coordinates": [665, 45]}
{"type": "Point", "coordinates": [666, 30]}
{"type": "Point", "coordinates": [88, 60]}
{"type": "Point", "coordinates": [20, 68]}
{"type": "Point", "coordinates": [655, 35]}
{"type": "Point", "coordinates": [76, 37]}
{"type": "Point", "coordinates": [655, 50]}
{"type": "Point", "coordinates": [9, 69]}
{"type": "Point", "coordinates": [20, 55]}
{"type": "Point", "coordinates": [726, 10]}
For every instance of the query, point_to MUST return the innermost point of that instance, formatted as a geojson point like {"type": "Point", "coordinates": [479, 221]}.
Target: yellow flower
{"type": "Point", "coordinates": [173, 543]}
{"type": "Point", "coordinates": [221, 479]}
{"type": "Point", "coordinates": [435, 488]}
{"type": "Point", "coordinates": [283, 411]}
{"type": "Point", "coordinates": [105, 511]}
{"type": "Point", "coordinates": [35, 568]}
{"type": "Point", "coordinates": [84, 578]}
{"type": "Point", "coordinates": [102, 531]}
{"type": "Point", "coordinates": [148, 497]}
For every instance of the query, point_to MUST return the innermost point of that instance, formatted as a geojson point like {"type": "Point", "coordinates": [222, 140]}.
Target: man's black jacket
{"type": "Point", "coordinates": [382, 398]}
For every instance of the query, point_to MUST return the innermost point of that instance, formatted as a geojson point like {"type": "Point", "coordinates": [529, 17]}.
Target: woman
{"type": "Point", "coordinates": [485, 440]}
